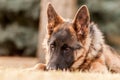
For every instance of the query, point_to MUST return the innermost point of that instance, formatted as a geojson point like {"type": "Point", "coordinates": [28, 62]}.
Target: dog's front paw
{"type": "Point", "coordinates": [40, 66]}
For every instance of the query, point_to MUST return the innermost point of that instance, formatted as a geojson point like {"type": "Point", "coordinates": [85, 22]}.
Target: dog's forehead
{"type": "Point", "coordinates": [64, 32]}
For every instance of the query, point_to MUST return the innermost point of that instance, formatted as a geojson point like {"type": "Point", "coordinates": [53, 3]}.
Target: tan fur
{"type": "Point", "coordinates": [95, 55]}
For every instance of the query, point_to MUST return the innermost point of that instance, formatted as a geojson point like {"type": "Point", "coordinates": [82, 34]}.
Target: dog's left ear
{"type": "Point", "coordinates": [81, 22]}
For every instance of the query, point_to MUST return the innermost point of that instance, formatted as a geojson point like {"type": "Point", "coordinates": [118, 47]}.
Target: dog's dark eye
{"type": "Point", "coordinates": [52, 46]}
{"type": "Point", "coordinates": [66, 48]}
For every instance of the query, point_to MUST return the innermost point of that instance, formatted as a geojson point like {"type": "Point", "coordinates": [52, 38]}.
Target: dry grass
{"type": "Point", "coordinates": [17, 62]}
{"type": "Point", "coordinates": [21, 74]}
{"type": "Point", "coordinates": [17, 71]}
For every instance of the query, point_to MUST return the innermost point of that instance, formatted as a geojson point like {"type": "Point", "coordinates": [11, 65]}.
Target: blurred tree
{"type": "Point", "coordinates": [65, 8]}
{"type": "Point", "coordinates": [19, 27]}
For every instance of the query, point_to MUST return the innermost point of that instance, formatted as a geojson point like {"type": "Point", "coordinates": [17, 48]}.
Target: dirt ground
{"type": "Point", "coordinates": [17, 62]}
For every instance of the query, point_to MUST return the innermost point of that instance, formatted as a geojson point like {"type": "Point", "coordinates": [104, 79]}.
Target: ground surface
{"type": "Point", "coordinates": [17, 62]}
{"type": "Point", "coordinates": [14, 68]}
{"type": "Point", "coordinates": [21, 74]}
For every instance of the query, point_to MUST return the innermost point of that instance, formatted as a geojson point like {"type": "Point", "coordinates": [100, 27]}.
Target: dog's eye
{"type": "Point", "coordinates": [52, 46]}
{"type": "Point", "coordinates": [65, 48]}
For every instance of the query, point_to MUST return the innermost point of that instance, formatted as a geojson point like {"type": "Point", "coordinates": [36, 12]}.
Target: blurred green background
{"type": "Point", "coordinates": [19, 21]}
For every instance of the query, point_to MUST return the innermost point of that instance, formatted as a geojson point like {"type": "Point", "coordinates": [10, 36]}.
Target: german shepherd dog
{"type": "Point", "coordinates": [77, 44]}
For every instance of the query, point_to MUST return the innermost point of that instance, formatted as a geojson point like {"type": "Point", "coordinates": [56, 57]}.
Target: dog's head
{"type": "Point", "coordinates": [66, 38]}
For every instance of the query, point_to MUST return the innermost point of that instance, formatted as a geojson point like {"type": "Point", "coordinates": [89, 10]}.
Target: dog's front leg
{"type": "Point", "coordinates": [39, 66]}
{"type": "Point", "coordinates": [98, 67]}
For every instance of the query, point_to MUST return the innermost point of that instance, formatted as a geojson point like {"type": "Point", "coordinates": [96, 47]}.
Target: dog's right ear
{"type": "Point", "coordinates": [53, 19]}
{"type": "Point", "coordinates": [81, 22]}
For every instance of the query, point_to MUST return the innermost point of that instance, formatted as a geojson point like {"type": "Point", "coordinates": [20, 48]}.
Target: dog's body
{"type": "Point", "coordinates": [78, 44]}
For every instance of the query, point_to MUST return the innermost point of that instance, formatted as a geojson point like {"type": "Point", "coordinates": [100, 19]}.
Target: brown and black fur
{"type": "Point", "coordinates": [78, 44]}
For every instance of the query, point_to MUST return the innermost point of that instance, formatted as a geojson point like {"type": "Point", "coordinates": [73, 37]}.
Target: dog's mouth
{"type": "Point", "coordinates": [56, 68]}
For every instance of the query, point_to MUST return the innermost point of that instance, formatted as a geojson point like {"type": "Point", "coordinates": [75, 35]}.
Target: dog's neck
{"type": "Point", "coordinates": [95, 47]}
{"type": "Point", "coordinates": [96, 41]}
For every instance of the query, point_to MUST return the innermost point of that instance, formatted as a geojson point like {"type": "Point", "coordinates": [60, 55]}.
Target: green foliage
{"type": "Point", "coordinates": [19, 27]}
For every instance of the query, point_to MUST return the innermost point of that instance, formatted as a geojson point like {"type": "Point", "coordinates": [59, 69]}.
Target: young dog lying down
{"type": "Point", "coordinates": [77, 45]}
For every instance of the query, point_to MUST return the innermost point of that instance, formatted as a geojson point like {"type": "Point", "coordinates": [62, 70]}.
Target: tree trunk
{"type": "Point", "coordinates": [66, 8]}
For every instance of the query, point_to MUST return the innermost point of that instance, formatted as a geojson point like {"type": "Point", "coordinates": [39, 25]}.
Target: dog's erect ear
{"type": "Point", "coordinates": [81, 22]}
{"type": "Point", "coordinates": [53, 18]}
